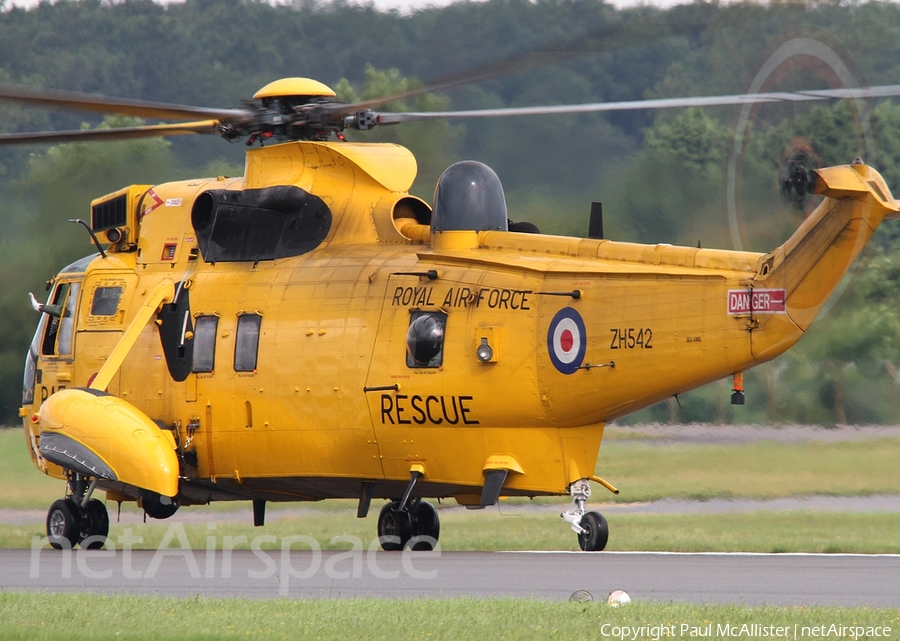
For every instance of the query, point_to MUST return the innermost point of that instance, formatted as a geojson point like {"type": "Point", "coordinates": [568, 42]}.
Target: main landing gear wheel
{"type": "Point", "coordinates": [94, 525]}
{"type": "Point", "coordinates": [63, 524]}
{"type": "Point", "coordinates": [418, 526]}
{"type": "Point", "coordinates": [595, 534]}
{"type": "Point", "coordinates": [426, 527]}
{"type": "Point", "coordinates": [68, 524]}
{"type": "Point", "coordinates": [394, 527]}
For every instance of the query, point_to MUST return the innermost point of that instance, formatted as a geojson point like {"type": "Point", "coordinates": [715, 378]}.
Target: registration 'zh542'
{"type": "Point", "coordinates": [631, 338]}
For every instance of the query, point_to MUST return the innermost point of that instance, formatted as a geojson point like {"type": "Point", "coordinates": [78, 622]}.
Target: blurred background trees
{"type": "Point", "coordinates": [670, 176]}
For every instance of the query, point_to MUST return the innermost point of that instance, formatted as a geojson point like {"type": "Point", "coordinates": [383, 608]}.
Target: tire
{"type": "Point", "coordinates": [94, 525]}
{"type": "Point", "coordinates": [596, 532]}
{"type": "Point", "coordinates": [63, 524]}
{"type": "Point", "coordinates": [426, 527]}
{"type": "Point", "coordinates": [394, 524]}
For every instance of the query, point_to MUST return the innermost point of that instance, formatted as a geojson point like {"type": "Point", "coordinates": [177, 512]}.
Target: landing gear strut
{"type": "Point", "coordinates": [78, 518]}
{"type": "Point", "coordinates": [591, 527]}
{"type": "Point", "coordinates": [417, 526]}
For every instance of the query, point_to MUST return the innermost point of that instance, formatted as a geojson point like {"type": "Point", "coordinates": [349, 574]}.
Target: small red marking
{"type": "Point", "coordinates": [566, 340]}
{"type": "Point", "coordinates": [157, 202]}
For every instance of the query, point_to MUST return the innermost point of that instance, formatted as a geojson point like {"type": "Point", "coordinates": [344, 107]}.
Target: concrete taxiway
{"type": "Point", "coordinates": [749, 579]}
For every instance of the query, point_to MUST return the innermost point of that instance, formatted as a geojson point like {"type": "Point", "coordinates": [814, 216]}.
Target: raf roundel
{"type": "Point", "coordinates": [567, 340]}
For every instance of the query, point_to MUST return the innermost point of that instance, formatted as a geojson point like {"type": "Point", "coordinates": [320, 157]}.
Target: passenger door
{"type": "Point", "coordinates": [101, 322]}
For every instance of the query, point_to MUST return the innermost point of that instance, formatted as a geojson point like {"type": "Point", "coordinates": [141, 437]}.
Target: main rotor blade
{"type": "Point", "coordinates": [110, 105]}
{"type": "Point", "coordinates": [605, 39]}
{"type": "Point", "coordinates": [122, 133]}
{"type": "Point", "coordinates": [658, 103]}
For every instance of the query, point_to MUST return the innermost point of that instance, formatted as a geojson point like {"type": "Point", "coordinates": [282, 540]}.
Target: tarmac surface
{"type": "Point", "coordinates": [748, 579]}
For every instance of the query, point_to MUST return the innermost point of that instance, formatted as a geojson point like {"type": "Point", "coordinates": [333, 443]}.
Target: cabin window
{"type": "Point", "coordinates": [106, 301]}
{"type": "Point", "coordinates": [205, 343]}
{"type": "Point", "coordinates": [246, 344]}
{"type": "Point", "coordinates": [57, 339]}
{"type": "Point", "coordinates": [425, 339]}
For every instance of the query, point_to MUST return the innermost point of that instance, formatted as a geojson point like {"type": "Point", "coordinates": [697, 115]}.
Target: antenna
{"type": "Point", "coordinates": [91, 232]}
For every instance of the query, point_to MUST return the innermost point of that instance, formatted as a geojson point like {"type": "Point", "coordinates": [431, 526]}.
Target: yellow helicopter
{"type": "Point", "coordinates": [311, 330]}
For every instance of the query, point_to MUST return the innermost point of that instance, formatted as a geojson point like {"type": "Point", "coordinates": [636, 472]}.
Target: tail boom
{"type": "Point", "coordinates": [811, 263]}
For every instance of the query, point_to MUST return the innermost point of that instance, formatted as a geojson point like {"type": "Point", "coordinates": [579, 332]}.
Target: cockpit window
{"type": "Point", "coordinates": [48, 345]}
{"type": "Point", "coordinates": [57, 340]}
{"type": "Point", "coordinates": [425, 339]}
{"type": "Point", "coordinates": [106, 301]}
{"type": "Point", "coordinates": [246, 344]}
{"type": "Point", "coordinates": [67, 324]}
{"type": "Point", "coordinates": [205, 343]}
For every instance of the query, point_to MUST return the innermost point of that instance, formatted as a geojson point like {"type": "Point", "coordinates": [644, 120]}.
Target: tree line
{"type": "Point", "coordinates": [663, 176]}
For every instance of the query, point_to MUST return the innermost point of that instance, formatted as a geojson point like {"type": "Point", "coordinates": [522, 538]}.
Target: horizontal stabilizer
{"type": "Point", "coordinates": [856, 181]}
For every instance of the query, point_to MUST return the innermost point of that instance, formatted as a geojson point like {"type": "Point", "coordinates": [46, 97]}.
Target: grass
{"type": "Point", "coordinates": [646, 472]}
{"type": "Point", "coordinates": [641, 470]}
{"type": "Point", "coordinates": [803, 531]}
{"type": "Point", "coordinates": [55, 616]}
{"type": "Point", "coordinates": [22, 485]}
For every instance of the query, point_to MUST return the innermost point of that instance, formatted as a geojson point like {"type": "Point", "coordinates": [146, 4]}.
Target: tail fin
{"type": "Point", "coordinates": [809, 266]}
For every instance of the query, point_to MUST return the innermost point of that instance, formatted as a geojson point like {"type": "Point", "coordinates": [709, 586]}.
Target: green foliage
{"type": "Point", "coordinates": [674, 188]}
{"type": "Point", "coordinates": [435, 143]}
{"type": "Point", "coordinates": [57, 185]}
{"type": "Point", "coordinates": [663, 177]}
{"type": "Point", "coordinates": [886, 131]}
{"type": "Point", "coordinates": [697, 139]}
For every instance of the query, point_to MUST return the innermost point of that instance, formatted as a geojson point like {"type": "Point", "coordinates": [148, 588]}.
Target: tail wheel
{"type": "Point", "coordinates": [394, 527]}
{"type": "Point", "coordinates": [596, 532]}
{"type": "Point", "coordinates": [64, 524]}
{"type": "Point", "coordinates": [426, 527]}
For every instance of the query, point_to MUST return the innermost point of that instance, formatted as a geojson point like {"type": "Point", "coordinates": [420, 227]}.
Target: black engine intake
{"type": "Point", "coordinates": [259, 224]}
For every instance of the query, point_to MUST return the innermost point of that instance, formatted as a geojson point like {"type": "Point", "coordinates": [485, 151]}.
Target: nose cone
{"type": "Point", "coordinates": [101, 435]}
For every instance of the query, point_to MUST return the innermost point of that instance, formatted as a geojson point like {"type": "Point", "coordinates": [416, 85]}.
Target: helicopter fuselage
{"type": "Point", "coordinates": [286, 373]}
